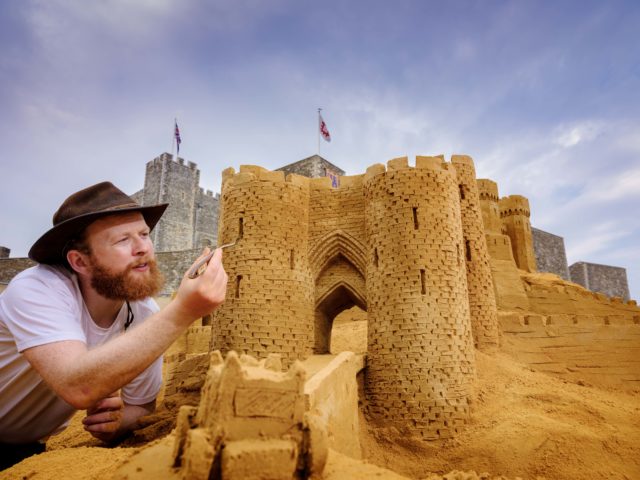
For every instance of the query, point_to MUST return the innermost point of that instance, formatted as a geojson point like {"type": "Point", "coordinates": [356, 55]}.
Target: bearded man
{"type": "Point", "coordinates": [80, 331]}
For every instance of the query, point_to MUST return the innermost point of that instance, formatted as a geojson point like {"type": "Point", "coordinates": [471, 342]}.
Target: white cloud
{"type": "Point", "coordinates": [585, 131]}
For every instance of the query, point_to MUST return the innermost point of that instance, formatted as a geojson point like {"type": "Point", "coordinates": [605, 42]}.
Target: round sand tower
{"type": "Point", "coordinates": [420, 362]}
{"type": "Point", "coordinates": [269, 302]}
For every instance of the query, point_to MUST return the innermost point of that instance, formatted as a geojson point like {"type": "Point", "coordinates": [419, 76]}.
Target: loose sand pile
{"type": "Point", "coordinates": [524, 424]}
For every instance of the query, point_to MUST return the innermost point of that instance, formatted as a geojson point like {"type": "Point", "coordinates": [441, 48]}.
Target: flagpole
{"type": "Point", "coordinates": [175, 140]}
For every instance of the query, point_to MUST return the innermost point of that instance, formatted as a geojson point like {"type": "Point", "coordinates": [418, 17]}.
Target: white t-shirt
{"type": "Point", "coordinates": [41, 305]}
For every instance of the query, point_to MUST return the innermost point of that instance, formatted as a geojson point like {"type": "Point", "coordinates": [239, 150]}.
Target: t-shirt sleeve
{"type": "Point", "coordinates": [40, 311]}
{"type": "Point", "coordinates": [146, 386]}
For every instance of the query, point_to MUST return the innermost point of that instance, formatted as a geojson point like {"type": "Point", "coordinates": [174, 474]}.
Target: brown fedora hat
{"type": "Point", "coordinates": [79, 210]}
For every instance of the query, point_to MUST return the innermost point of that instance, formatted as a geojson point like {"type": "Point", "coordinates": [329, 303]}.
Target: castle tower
{"type": "Point", "coordinates": [514, 212]}
{"type": "Point", "coordinates": [205, 218]}
{"type": "Point", "coordinates": [488, 194]}
{"type": "Point", "coordinates": [174, 183]}
{"type": "Point", "coordinates": [482, 301]}
{"type": "Point", "coordinates": [420, 361]}
{"type": "Point", "coordinates": [269, 303]}
{"type": "Point", "coordinates": [509, 292]}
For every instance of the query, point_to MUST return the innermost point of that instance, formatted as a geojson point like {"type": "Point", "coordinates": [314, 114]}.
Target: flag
{"type": "Point", "coordinates": [324, 131]}
{"type": "Point", "coordinates": [333, 176]}
{"type": "Point", "coordinates": [176, 133]}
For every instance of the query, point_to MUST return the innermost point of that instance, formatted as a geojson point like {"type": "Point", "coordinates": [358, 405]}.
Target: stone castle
{"type": "Point", "coordinates": [190, 221]}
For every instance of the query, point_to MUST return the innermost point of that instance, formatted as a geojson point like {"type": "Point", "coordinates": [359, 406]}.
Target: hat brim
{"type": "Point", "coordinates": [49, 247]}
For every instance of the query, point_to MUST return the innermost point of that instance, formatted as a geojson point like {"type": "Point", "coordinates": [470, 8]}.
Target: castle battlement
{"type": "Point", "coordinates": [462, 160]}
{"type": "Point", "coordinates": [249, 173]}
{"type": "Point", "coordinates": [514, 205]}
{"type": "Point", "coordinates": [435, 163]}
{"type": "Point", "coordinates": [167, 157]}
{"type": "Point", "coordinates": [488, 190]}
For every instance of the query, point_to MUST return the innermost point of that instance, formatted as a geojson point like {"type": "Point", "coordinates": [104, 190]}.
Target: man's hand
{"type": "Point", "coordinates": [104, 419]}
{"type": "Point", "coordinates": [199, 296]}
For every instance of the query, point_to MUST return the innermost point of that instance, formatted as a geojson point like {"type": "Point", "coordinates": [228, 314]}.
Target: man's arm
{"type": "Point", "coordinates": [111, 418]}
{"type": "Point", "coordinates": [83, 377]}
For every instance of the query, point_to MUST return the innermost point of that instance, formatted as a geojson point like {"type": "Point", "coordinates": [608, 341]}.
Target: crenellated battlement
{"type": "Point", "coordinates": [514, 205]}
{"type": "Point", "coordinates": [435, 163]}
{"type": "Point", "coordinates": [167, 157]}
{"type": "Point", "coordinates": [251, 173]}
{"type": "Point", "coordinates": [488, 190]}
{"type": "Point", "coordinates": [462, 160]}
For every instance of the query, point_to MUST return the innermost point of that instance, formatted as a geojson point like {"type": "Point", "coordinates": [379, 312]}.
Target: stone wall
{"type": "Point", "coordinates": [313, 167]}
{"type": "Point", "coordinates": [550, 253]}
{"type": "Point", "coordinates": [179, 185]}
{"type": "Point", "coordinates": [174, 265]}
{"type": "Point", "coordinates": [612, 281]}
{"type": "Point", "coordinates": [191, 220]}
{"type": "Point", "coordinates": [206, 218]}
{"type": "Point", "coordinates": [5, 252]}
{"type": "Point", "coordinates": [10, 267]}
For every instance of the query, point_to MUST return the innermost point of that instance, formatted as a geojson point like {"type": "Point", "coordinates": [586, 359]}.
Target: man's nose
{"type": "Point", "coordinates": [141, 245]}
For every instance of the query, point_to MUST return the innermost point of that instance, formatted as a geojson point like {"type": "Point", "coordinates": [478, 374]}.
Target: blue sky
{"type": "Point", "coordinates": [544, 95]}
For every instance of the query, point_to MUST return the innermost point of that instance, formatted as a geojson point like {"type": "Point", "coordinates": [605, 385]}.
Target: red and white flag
{"type": "Point", "coordinates": [324, 131]}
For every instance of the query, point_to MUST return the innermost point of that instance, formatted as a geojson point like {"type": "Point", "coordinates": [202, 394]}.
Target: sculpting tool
{"type": "Point", "coordinates": [199, 268]}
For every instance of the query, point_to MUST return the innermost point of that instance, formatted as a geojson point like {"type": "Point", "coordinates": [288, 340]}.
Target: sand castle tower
{"type": "Point", "coordinates": [269, 305]}
{"type": "Point", "coordinates": [509, 291]}
{"type": "Point", "coordinates": [515, 213]}
{"type": "Point", "coordinates": [482, 301]}
{"type": "Point", "coordinates": [420, 355]}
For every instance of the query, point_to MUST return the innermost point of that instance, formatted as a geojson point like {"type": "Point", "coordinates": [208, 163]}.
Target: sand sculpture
{"type": "Point", "coordinates": [392, 241]}
{"type": "Point", "coordinates": [427, 250]}
{"type": "Point", "coordinates": [258, 414]}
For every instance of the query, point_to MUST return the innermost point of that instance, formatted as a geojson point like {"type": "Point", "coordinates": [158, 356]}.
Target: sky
{"type": "Point", "coordinates": [544, 95]}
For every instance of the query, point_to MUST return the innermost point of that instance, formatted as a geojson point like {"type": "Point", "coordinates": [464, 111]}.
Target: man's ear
{"type": "Point", "coordinates": [78, 261]}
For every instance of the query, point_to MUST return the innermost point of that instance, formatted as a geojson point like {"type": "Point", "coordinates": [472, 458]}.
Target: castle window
{"type": "Point", "coordinates": [206, 320]}
{"type": "Point", "coordinates": [467, 244]}
{"type": "Point", "coordinates": [423, 281]}
{"type": "Point", "coordinates": [238, 281]}
{"type": "Point", "coordinates": [291, 259]}
{"type": "Point", "coordinates": [240, 228]}
{"type": "Point", "coordinates": [461, 191]}
{"type": "Point", "coordinates": [375, 257]}
{"type": "Point", "coordinates": [458, 248]}
{"type": "Point", "coordinates": [415, 218]}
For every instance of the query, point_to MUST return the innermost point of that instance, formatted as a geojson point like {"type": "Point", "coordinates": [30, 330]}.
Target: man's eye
{"type": "Point", "coordinates": [145, 234]}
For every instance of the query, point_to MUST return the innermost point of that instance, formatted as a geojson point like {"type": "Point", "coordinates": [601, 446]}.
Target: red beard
{"type": "Point", "coordinates": [126, 285]}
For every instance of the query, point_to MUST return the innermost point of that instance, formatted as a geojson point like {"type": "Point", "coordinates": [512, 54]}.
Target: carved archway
{"type": "Point", "coordinates": [339, 286]}
{"type": "Point", "coordinates": [336, 243]}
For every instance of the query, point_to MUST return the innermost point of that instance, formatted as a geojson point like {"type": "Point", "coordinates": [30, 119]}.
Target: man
{"type": "Point", "coordinates": [80, 331]}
